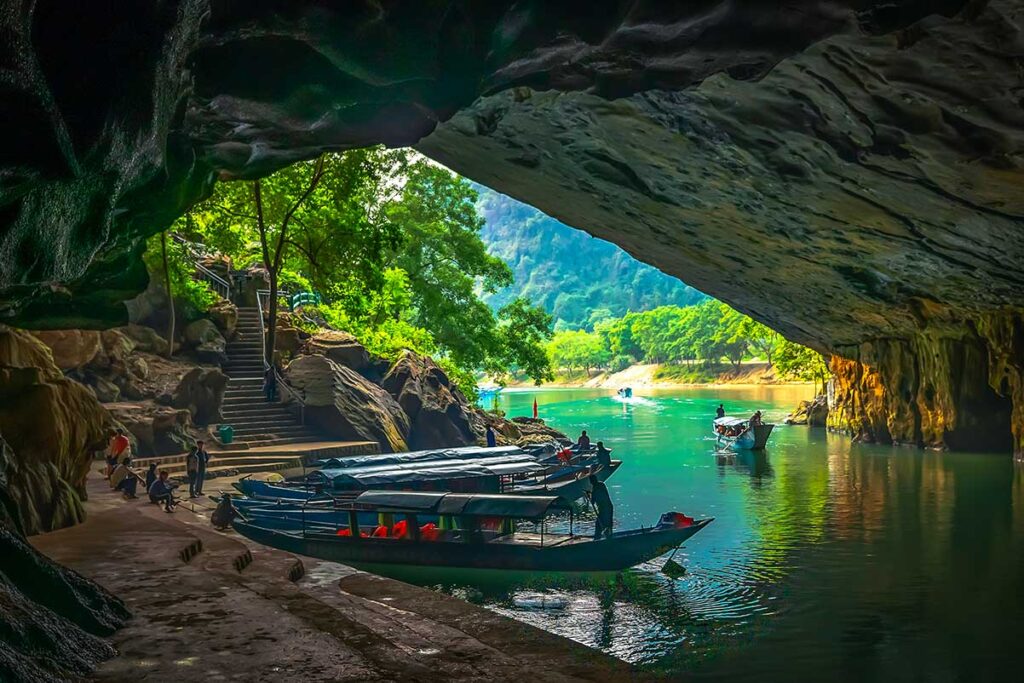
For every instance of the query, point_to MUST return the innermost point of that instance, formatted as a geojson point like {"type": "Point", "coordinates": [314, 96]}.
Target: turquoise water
{"type": "Point", "coordinates": [827, 559]}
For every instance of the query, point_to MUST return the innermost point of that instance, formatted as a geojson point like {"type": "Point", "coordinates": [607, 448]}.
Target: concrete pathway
{"type": "Point", "coordinates": [214, 605]}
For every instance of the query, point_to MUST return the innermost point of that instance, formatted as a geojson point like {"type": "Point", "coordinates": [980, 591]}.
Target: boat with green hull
{"type": "Point", "coordinates": [475, 532]}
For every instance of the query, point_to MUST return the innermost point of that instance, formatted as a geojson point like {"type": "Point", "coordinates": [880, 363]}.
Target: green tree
{"type": "Point", "coordinates": [795, 361]}
{"type": "Point", "coordinates": [522, 332]}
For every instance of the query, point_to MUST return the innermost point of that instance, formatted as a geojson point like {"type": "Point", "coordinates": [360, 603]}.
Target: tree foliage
{"type": "Point", "coordinates": [391, 242]}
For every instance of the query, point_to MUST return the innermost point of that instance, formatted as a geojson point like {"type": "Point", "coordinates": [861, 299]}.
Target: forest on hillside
{"type": "Point", "coordinates": [578, 279]}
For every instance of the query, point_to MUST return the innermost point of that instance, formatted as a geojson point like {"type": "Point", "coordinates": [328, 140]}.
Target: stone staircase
{"type": "Point", "coordinates": [256, 421]}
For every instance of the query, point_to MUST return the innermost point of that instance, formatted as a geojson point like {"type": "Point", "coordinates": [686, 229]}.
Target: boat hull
{"type": "Point", "coordinates": [754, 439]}
{"type": "Point", "coordinates": [623, 550]}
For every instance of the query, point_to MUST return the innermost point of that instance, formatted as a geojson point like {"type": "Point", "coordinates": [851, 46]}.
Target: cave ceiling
{"type": "Point", "coordinates": [841, 170]}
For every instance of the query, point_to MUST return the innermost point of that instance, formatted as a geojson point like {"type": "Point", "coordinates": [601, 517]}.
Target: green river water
{"type": "Point", "coordinates": [827, 560]}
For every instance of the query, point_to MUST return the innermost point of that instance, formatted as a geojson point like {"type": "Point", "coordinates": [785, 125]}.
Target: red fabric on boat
{"type": "Point", "coordinates": [400, 529]}
{"type": "Point", "coordinates": [429, 532]}
{"type": "Point", "coordinates": [380, 532]}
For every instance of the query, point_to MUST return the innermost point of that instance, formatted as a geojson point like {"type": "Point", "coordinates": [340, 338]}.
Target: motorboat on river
{"type": "Point", "coordinates": [625, 392]}
{"type": "Point", "coordinates": [474, 531]}
{"type": "Point", "coordinates": [738, 434]}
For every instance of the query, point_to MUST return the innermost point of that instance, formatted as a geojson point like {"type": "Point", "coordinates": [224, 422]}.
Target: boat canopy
{"type": "Point", "coordinates": [342, 479]}
{"type": "Point", "coordinates": [730, 422]}
{"type": "Point", "coordinates": [368, 477]}
{"type": "Point", "coordinates": [484, 505]}
{"type": "Point", "coordinates": [466, 453]}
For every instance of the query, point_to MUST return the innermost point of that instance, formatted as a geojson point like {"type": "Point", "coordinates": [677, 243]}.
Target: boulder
{"type": "Point", "coordinates": [202, 336]}
{"type": "Point", "coordinates": [156, 430]}
{"type": "Point", "coordinates": [439, 414]}
{"type": "Point", "coordinates": [811, 413]}
{"type": "Point", "coordinates": [534, 430]}
{"type": "Point", "coordinates": [53, 426]}
{"type": "Point", "coordinates": [105, 390]}
{"type": "Point", "coordinates": [290, 338]}
{"type": "Point", "coordinates": [224, 315]}
{"type": "Point", "coordinates": [117, 348]}
{"type": "Point", "coordinates": [346, 405]}
{"type": "Point", "coordinates": [201, 392]}
{"type": "Point", "coordinates": [341, 347]}
{"type": "Point", "coordinates": [72, 349]}
{"type": "Point", "coordinates": [145, 338]}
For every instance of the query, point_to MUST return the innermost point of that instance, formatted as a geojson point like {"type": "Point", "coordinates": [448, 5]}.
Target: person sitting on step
{"type": "Point", "coordinates": [125, 479]}
{"type": "Point", "coordinates": [162, 491]}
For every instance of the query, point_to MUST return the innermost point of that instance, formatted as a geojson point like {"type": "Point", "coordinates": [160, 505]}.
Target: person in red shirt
{"type": "Point", "coordinates": [118, 447]}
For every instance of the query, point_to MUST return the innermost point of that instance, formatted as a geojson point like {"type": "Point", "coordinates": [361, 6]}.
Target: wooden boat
{"type": "Point", "coordinates": [476, 532]}
{"type": "Point", "coordinates": [737, 434]}
{"type": "Point", "coordinates": [625, 392]}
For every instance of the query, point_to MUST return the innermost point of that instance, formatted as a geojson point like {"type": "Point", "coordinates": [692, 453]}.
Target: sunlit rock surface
{"type": "Point", "coordinates": [848, 172]}
{"type": "Point", "coordinates": [53, 426]}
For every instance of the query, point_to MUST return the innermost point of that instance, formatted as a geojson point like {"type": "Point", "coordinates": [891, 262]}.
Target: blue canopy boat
{"type": "Point", "coordinates": [476, 532]}
{"type": "Point", "coordinates": [738, 434]}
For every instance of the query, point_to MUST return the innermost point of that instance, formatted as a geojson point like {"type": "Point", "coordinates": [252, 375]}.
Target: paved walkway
{"type": "Point", "coordinates": [213, 605]}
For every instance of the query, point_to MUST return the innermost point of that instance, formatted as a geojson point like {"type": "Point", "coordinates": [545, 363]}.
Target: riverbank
{"type": "Point", "coordinates": [213, 603]}
{"type": "Point", "coordinates": [658, 376]}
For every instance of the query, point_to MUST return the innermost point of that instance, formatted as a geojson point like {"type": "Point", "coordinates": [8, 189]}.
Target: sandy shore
{"type": "Point", "coordinates": [215, 606]}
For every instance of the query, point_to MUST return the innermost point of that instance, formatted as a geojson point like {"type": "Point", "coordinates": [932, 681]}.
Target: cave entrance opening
{"type": "Point", "coordinates": [984, 416]}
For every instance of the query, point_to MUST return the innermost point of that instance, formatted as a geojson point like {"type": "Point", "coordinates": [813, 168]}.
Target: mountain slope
{"type": "Point", "coordinates": [577, 278]}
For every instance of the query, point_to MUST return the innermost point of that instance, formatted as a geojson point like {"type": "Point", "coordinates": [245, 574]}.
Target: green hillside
{"type": "Point", "coordinates": [577, 278]}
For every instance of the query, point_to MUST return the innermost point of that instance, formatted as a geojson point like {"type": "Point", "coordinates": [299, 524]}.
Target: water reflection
{"type": "Point", "coordinates": [827, 560]}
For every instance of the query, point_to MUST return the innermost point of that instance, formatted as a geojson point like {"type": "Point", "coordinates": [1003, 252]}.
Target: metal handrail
{"type": "Point", "coordinates": [216, 280]}
{"type": "Point", "coordinates": [299, 399]}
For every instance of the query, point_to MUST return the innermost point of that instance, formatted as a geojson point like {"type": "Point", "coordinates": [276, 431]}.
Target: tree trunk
{"type": "Point", "coordinates": [170, 295]}
{"type": "Point", "coordinates": [271, 341]}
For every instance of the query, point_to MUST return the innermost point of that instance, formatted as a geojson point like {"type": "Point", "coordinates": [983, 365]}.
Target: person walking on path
{"type": "Point", "coordinates": [204, 459]}
{"type": "Point", "coordinates": [162, 491]}
{"type": "Point", "coordinates": [192, 470]}
{"type": "Point", "coordinates": [602, 502]}
{"type": "Point", "coordinates": [270, 384]}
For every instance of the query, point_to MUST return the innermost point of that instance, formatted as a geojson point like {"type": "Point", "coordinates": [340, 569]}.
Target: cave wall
{"type": "Point", "coordinates": [847, 171]}
{"type": "Point", "coordinates": [938, 389]}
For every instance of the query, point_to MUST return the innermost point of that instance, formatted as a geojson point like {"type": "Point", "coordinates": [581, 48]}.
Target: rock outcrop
{"type": "Point", "coordinates": [812, 413]}
{"type": "Point", "coordinates": [439, 414]}
{"type": "Point", "coordinates": [224, 315]}
{"type": "Point", "coordinates": [52, 619]}
{"type": "Point", "coordinates": [155, 430]}
{"type": "Point", "coordinates": [201, 392]}
{"type": "Point", "coordinates": [848, 171]}
{"type": "Point", "coordinates": [203, 337]}
{"type": "Point", "coordinates": [341, 347]}
{"type": "Point", "coordinates": [53, 425]}
{"type": "Point", "coordinates": [346, 405]}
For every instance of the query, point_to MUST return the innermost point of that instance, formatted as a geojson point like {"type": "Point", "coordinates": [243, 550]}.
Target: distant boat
{"type": "Point", "coordinates": [736, 433]}
{"type": "Point", "coordinates": [473, 531]}
{"type": "Point", "coordinates": [625, 392]}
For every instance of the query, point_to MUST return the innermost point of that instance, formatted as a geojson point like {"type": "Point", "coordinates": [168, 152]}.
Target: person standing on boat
{"type": "Point", "coordinates": [720, 412]}
{"type": "Point", "coordinates": [755, 420]}
{"type": "Point", "coordinates": [604, 456]}
{"type": "Point", "coordinates": [602, 502]}
{"type": "Point", "coordinates": [492, 440]}
{"type": "Point", "coordinates": [584, 441]}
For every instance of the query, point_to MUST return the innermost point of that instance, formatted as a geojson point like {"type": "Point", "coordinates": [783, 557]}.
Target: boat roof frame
{"type": "Point", "coordinates": [458, 504]}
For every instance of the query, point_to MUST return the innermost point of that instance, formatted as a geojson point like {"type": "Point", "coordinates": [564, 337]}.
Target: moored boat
{"type": "Point", "coordinates": [474, 531]}
{"type": "Point", "coordinates": [739, 434]}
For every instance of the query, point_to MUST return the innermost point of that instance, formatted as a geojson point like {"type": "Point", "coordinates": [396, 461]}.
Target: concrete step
{"type": "Point", "coordinates": [220, 470]}
{"type": "Point", "coordinates": [174, 462]}
{"type": "Point", "coordinates": [273, 441]}
{"type": "Point", "coordinates": [264, 423]}
{"type": "Point", "coordinates": [271, 432]}
{"type": "Point", "coordinates": [269, 417]}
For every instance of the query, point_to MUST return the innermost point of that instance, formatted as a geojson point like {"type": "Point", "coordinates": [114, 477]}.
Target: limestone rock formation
{"type": "Point", "coordinates": [204, 338]}
{"type": "Point", "coordinates": [53, 425]}
{"type": "Point", "coordinates": [201, 392]}
{"type": "Point", "coordinates": [439, 414]}
{"type": "Point", "coordinates": [145, 338]}
{"type": "Point", "coordinates": [346, 405]}
{"type": "Point", "coordinates": [341, 347]}
{"type": "Point", "coordinates": [155, 430]}
{"type": "Point", "coordinates": [812, 413]}
{"type": "Point", "coordinates": [847, 171]}
{"type": "Point", "coordinates": [51, 617]}
{"type": "Point", "coordinates": [224, 315]}
{"type": "Point", "coordinates": [72, 349]}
